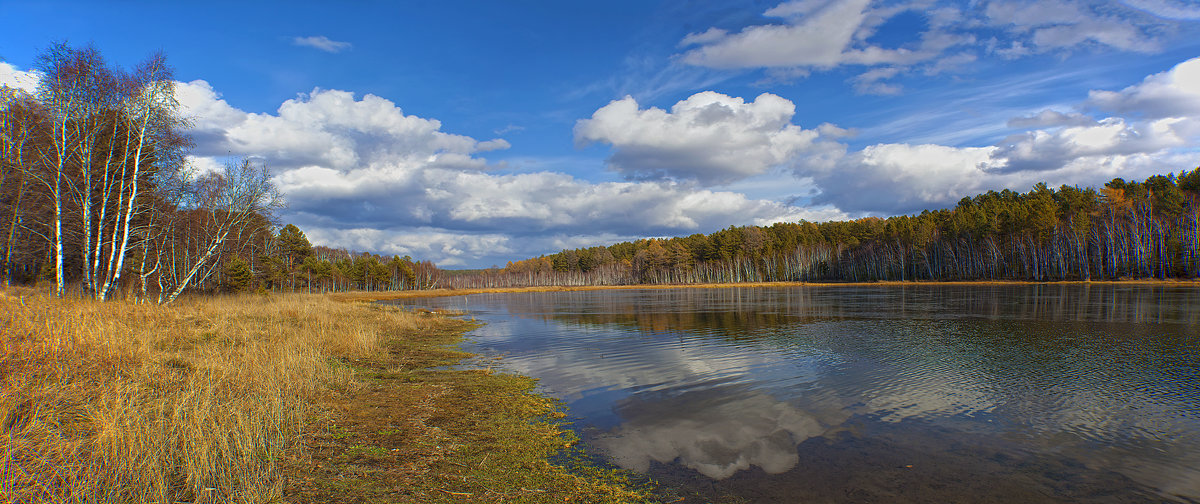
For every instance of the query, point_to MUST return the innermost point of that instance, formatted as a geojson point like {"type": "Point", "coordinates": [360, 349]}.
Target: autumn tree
{"type": "Point", "coordinates": [227, 202]}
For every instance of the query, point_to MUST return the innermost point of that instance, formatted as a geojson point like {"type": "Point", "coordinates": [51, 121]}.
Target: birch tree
{"type": "Point", "coordinates": [228, 203]}
{"type": "Point", "coordinates": [60, 92]}
{"type": "Point", "coordinates": [151, 145]}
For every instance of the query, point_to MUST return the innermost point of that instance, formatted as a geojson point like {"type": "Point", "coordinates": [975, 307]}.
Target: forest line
{"type": "Point", "coordinates": [1125, 230]}
{"type": "Point", "coordinates": [96, 195]}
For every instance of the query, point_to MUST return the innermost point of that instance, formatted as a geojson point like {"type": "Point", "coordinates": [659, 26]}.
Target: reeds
{"type": "Point", "coordinates": [199, 402]}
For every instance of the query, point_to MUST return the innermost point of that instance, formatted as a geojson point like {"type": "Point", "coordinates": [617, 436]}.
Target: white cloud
{"type": "Point", "coordinates": [709, 137]}
{"type": "Point", "coordinates": [903, 178]}
{"type": "Point", "coordinates": [824, 34]}
{"type": "Point", "coordinates": [818, 34]}
{"type": "Point", "coordinates": [1047, 150]}
{"type": "Point", "coordinates": [326, 128]}
{"type": "Point", "coordinates": [1027, 14]}
{"type": "Point", "coordinates": [890, 178]}
{"type": "Point", "coordinates": [815, 35]}
{"type": "Point", "coordinates": [18, 79]}
{"type": "Point", "coordinates": [951, 63]}
{"type": "Point", "coordinates": [1173, 93]}
{"type": "Point", "coordinates": [203, 165]}
{"type": "Point", "coordinates": [1155, 131]}
{"type": "Point", "coordinates": [1163, 114]}
{"type": "Point", "coordinates": [450, 249]}
{"type": "Point", "coordinates": [718, 440]}
{"type": "Point", "coordinates": [322, 42]}
{"type": "Point", "coordinates": [360, 173]}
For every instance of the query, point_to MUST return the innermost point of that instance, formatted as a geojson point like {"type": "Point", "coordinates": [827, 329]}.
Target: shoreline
{"type": "Point", "coordinates": [412, 429]}
{"type": "Point", "coordinates": [447, 292]}
{"type": "Point", "coordinates": [289, 398]}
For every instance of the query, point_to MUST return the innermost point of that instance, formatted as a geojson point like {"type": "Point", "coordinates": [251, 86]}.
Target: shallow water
{"type": "Point", "coordinates": [1042, 393]}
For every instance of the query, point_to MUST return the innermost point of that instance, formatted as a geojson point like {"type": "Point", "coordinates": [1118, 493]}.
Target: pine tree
{"type": "Point", "coordinates": [238, 276]}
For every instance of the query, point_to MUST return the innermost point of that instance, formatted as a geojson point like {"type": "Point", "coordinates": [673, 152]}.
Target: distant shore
{"type": "Point", "coordinates": [392, 295]}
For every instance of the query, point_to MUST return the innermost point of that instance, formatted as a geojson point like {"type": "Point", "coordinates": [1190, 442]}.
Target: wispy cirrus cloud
{"type": "Point", "coordinates": [322, 43]}
{"type": "Point", "coordinates": [889, 40]}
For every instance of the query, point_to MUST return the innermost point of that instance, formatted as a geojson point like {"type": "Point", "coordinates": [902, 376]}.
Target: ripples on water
{"type": "Point", "coordinates": [897, 394]}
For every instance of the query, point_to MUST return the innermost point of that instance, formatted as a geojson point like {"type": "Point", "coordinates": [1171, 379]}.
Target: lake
{"type": "Point", "coordinates": [1009, 393]}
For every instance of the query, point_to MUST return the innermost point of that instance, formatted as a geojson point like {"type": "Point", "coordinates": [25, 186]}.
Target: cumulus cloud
{"type": "Point", "coordinates": [1163, 110]}
{"type": "Point", "coordinates": [524, 203]}
{"type": "Point", "coordinates": [326, 128]}
{"type": "Point", "coordinates": [18, 79]}
{"type": "Point", "coordinates": [895, 178]}
{"type": "Point", "coordinates": [1173, 93]}
{"type": "Point", "coordinates": [899, 178]}
{"type": "Point", "coordinates": [451, 249]}
{"type": "Point", "coordinates": [322, 43]}
{"type": "Point", "coordinates": [361, 173]}
{"type": "Point", "coordinates": [1041, 150]}
{"type": "Point", "coordinates": [1158, 123]}
{"type": "Point", "coordinates": [709, 137]}
{"type": "Point", "coordinates": [362, 164]}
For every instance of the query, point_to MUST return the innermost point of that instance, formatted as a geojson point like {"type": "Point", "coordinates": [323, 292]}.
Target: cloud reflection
{"type": "Point", "coordinates": [718, 434]}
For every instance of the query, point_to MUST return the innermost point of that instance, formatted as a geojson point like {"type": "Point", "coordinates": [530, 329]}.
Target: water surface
{"type": "Point", "coordinates": [1042, 393]}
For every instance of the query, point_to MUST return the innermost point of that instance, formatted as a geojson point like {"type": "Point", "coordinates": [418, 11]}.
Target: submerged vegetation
{"type": "Point", "coordinates": [295, 398]}
{"type": "Point", "coordinates": [1147, 229]}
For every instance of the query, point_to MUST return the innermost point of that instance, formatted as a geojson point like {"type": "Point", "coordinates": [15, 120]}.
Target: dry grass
{"type": "Point", "coordinates": [293, 398]}
{"type": "Point", "coordinates": [198, 402]}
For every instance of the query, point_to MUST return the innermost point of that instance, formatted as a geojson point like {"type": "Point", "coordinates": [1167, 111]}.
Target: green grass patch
{"type": "Point", "coordinates": [409, 433]}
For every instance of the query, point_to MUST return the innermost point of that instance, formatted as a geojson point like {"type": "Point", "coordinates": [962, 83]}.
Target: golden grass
{"type": "Point", "coordinates": [198, 402]}
{"type": "Point", "coordinates": [291, 398]}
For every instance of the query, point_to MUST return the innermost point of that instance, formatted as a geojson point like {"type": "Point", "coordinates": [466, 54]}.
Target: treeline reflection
{"type": "Point", "coordinates": [742, 384]}
{"type": "Point", "coordinates": [740, 310]}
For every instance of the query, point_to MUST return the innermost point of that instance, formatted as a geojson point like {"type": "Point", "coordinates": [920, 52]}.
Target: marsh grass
{"type": "Point", "coordinates": [198, 402]}
{"type": "Point", "coordinates": [417, 429]}
{"type": "Point", "coordinates": [291, 398]}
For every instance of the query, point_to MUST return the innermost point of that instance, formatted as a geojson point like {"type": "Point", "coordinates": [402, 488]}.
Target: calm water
{"type": "Point", "coordinates": [872, 394]}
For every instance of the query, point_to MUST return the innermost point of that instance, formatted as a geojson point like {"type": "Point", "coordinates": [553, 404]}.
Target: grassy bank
{"type": "Point", "coordinates": [265, 399]}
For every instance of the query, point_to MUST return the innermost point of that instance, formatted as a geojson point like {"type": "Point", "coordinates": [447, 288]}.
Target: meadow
{"type": "Point", "coordinates": [278, 398]}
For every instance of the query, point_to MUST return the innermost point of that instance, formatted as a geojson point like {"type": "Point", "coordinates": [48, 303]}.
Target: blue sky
{"type": "Point", "coordinates": [473, 133]}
